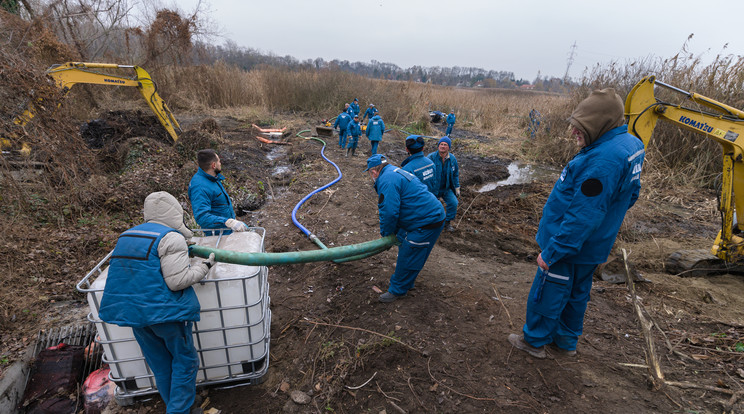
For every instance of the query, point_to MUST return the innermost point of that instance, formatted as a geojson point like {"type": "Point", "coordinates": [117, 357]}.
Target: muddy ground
{"type": "Point", "coordinates": [450, 352]}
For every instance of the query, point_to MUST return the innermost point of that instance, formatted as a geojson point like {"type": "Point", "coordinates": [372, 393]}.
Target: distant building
{"type": "Point", "coordinates": [527, 87]}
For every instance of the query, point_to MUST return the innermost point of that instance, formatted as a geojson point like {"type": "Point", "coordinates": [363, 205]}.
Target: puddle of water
{"type": "Point", "coordinates": [519, 174]}
{"type": "Point", "coordinates": [280, 170]}
{"type": "Point", "coordinates": [276, 152]}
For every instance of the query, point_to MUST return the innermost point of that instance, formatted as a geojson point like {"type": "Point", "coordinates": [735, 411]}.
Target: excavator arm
{"type": "Point", "coordinates": [714, 120]}
{"type": "Point", "coordinates": [71, 73]}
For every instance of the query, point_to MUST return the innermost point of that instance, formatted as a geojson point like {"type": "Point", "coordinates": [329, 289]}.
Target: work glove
{"type": "Point", "coordinates": [210, 261]}
{"type": "Point", "coordinates": [457, 192]}
{"type": "Point", "coordinates": [236, 225]}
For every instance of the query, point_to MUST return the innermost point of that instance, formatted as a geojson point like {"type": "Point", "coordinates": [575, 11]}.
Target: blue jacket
{"type": "Point", "coordinates": [423, 168]}
{"type": "Point", "coordinates": [355, 130]}
{"type": "Point", "coordinates": [342, 121]}
{"type": "Point", "coordinates": [375, 128]}
{"type": "Point", "coordinates": [369, 113]}
{"type": "Point", "coordinates": [354, 107]}
{"type": "Point", "coordinates": [451, 119]}
{"type": "Point", "coordinates": [588, 203]}
{"type": "Point", "coordinates": [209, 200]}
{"type": "Point", "coordinates": [451, 171]}
{"type": "Point", "coordinates": [404, 202]}
{"type": "Point", "coordinates": [136, 294]}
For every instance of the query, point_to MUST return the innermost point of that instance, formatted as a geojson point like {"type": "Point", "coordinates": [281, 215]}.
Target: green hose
{"type": "Point", "coordinates": [351, 252]}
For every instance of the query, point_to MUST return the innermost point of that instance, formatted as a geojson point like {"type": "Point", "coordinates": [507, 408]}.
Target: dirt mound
{"type": "Point", "coordinates": [116, 126]}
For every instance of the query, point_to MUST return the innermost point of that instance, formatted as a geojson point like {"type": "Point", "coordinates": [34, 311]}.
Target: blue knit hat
{"type": "Point", "coordinates": [445, 139]}
{"type": "Point", "coordinates": [414, 142]}
{"type": "Point", "coordinates": [375, 160]}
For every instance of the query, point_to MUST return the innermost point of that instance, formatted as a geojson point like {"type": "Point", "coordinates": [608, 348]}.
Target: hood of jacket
{"type": "Point", "coordinates": [600, 112]}
{"type": "Point", "coordinates": [163, 208]}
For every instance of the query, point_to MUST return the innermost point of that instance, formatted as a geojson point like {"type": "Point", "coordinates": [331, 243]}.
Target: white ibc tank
{"type": "Point", "coordinates": [232, 334]}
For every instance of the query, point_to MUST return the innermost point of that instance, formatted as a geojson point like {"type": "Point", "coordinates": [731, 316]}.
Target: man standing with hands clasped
{"type": "Point", "coordinates": [580, 222]}
{"type": "Point", "coordinates": [447, 174]}
{"type": "Point", "coordinates": [212, 207]}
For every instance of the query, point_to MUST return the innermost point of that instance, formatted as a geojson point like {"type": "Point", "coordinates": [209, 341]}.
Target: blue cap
{"type": "Point", "coordinates": [414, 142]}
{"type": "Point", "coordinates": [375, 160]}
{"type": "Point", "coordinates": [356, 100]}
{"type": "Point", "coordinates": [445, 139]}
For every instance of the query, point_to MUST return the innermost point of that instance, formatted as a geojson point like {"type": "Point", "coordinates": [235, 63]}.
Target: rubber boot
{"type": "Point", "coordinates": [347, 153]}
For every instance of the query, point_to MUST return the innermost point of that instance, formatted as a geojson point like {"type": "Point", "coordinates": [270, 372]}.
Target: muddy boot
{"type": "Point", "coordinates": [560, 351]}
{"type": "Point", "coordinates": [347, 153]}
{"type": "Point", "coordinates": [518, 342]}
{"type": "Point", "coordinates": [448, 226]}
{"type": "Point", "coordinates": [353, 150]}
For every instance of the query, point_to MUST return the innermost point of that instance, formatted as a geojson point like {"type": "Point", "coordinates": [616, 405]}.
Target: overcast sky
{"type": "Point", "coordinates": [520, 36]}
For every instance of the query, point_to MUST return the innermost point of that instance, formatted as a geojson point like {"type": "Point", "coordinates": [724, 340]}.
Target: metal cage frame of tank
{"type": "Point", "coordinates": [250, 371]}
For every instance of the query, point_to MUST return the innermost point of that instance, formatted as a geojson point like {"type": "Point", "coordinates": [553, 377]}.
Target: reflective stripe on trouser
{"type": "Point", "coordinates": [558, 315]}
{"type": "Point", "coordinates": [412, 254]}
{"type": "Point", "coordinates": [169, 351]}
{"type": "Point", "coordinates": [342, 138]}
{"type": "Point", "coordinates": [374, 146]}
{"type": "Point", "coordinates": [450, 203]}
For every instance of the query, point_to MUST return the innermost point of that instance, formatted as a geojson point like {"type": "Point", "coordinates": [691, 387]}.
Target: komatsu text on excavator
{"type": "Point", "coordinates": [68, 74]}
{"type": "Point", "coordinates": [716, 121]}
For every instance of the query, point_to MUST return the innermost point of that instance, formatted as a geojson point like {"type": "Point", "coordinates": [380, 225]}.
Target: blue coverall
{"type": "Point", "coordinates": [577, 230]}
{"type": "Point", "coordinates": [450, 123]}
{"type": "Point", "coordinates": [137, 296]}
{"type": "Point", "coordinates": [414, 215]}
{"type": "Point", "coordinates": [209, 201]}
{"type": "Point", "coordinates": [354, 107]}
{"type": "Point", "coordinates": [342, 123]}
{"type": "Point", "coordinates": [355, 131]}
{"type": "Point", "coordinates": [369, 113]}
{"type": "Point", "coordinates": [423, 168]}
{"type": "Point", "coordinates": [447, 175]}
{"type": "Point", "coordinates": [375, 129]}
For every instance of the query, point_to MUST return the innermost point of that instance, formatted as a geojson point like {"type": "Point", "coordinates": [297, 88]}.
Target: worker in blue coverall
{"type": "Point", "coordinates": [369, 112]}
{"type": "Point", "coordinates": [375, 130]}
{"type": "Point", "coordinates": [408, 210]}
{"type": "Point", "coordinates": [580, 222]}
{"type": "Point", "coordinates": [354, 105]}
{"type": "Point", "coordinates": [355, 131]}
{"type": "Point", "coordinates": [450, 122]}
{"type": "Point", "coordinates": [212, 207]}
{"type": "Point", "coordinates": [342, 124]}
{"type": "Point", "coordinates": [419, 165]}
{"type": "Point", "coordinates": [148, 288]}
{"type": "Point", "coordinates": [447, 174]}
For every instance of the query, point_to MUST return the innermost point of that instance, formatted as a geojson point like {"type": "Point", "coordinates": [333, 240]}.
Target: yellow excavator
{"type": "Point", "coordinates": [714, 120]}
{"type": "Point", "coordinates": [69, 74]}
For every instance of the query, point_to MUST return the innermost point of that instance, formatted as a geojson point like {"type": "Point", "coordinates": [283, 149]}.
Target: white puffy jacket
{"type": "Point", "coordinates": [163, 208]}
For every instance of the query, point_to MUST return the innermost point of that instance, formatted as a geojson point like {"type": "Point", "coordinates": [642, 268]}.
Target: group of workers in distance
{"type": "Point", "coordinates": [150, 274]}
{"type": "Point", "coordinates": [349, 126]}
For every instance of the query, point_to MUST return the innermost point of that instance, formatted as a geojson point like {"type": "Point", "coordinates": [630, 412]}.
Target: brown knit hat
{"type": "Point", "coordinates": [602, 111]}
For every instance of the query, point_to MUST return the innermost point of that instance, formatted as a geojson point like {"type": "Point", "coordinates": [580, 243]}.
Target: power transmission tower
{"type": "Point", "coordinates": [571, 55]}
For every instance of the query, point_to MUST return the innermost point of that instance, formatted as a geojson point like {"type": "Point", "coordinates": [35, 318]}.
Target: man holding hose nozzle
{"type": "Point", "coordinates": [212, 207]}
{"type": "Point", "coordinates": [413, 214]}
